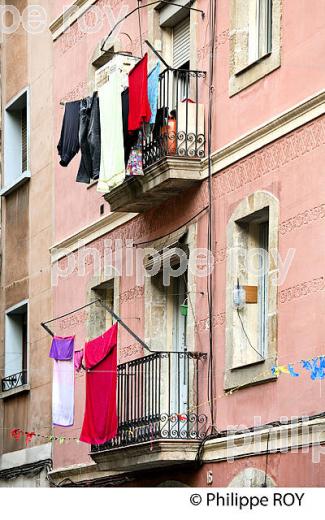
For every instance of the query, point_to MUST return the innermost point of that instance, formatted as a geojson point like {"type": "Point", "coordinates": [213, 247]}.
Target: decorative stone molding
{"type": "Point", "coordinates": [25, 456]}
{"type": "Point", "coordinates": [88, 234]}
{"type": "Point", "coordinates": [277, 127]}
{"type": "Point", "coordinates": [293, 437]}
{"type": "Point", "coordinates": [284, 438]}
{"type": "Point", "coordinates": [70, 15]}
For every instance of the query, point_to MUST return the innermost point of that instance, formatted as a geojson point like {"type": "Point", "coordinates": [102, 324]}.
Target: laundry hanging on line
{"type": "Point", "coordinates": [100, 418]}
{"type": "Point", "coordinates": [69, 145]}
{"type": "Point", "coordinates": [112, 167]}
{"type": "Point", "coordinates": [62, 353]}
{"type": "Point", "coordinates": [130, 139]}
{"type": "Point", "coordinates": [106, 126]}
{"type": "Point", "coordinates": [78, 357]}
{"type": "Point", "coordinates": [139, 107]}
{"type": "Point", "coordinates": [90, 139]}
{"type": "Point", "coordinates": [153, 82]}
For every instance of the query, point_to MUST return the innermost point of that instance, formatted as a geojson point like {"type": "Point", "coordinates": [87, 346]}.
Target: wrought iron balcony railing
{"type": "Point", "coordinates": [158, 398]}
{"type": "Point", "coordinates": [179, 129]}
{"type": "Point", "coordinates": [13, 381]}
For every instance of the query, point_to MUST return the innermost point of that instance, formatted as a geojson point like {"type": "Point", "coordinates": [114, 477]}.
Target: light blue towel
{"type": "Point", "coordinates": [153, 81]}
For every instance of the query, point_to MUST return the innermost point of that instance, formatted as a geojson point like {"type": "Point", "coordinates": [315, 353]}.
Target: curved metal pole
{"type": "Point", "coordinates": [142, 7]}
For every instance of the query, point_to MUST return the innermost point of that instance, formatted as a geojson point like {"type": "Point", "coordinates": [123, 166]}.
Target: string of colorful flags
{"type": "Point", "coordinates": [315, 367]}
{"type": "Point", "coordinates": [18, 434]}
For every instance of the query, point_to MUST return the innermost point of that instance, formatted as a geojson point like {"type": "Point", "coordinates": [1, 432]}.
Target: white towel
{"type": "Point", "coordinates": [63, 393]}
{"type": "Point", "coordinates": [112, 168]}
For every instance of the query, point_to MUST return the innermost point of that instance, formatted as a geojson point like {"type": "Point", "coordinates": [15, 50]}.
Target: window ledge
{"type": "Point", "coordinates": [247, 365]}
{"type": "Point", "coordinates": [253, 64]}
{"type": "Point", "coordinates": [19, 390]}
{"type": "Point", "coordinates": [22, 179]}
{"type": "Point", "coordinates": [249, 375]}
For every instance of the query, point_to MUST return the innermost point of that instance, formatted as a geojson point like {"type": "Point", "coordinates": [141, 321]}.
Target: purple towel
{"type": "Point", "coordinates": [62, 348]}
{"type": "Point", "coordinates": [78, 357]}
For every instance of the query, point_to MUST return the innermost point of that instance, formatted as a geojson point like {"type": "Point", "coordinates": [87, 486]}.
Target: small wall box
{"type": "Point", "coordinates": [251, 293]}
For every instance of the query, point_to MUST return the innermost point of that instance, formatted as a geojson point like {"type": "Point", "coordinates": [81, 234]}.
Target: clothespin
{"type": "Point", "coordinates": [61, 440]}
{"type": "Point", "coordinates": [29, 437]}
{"type": "Point", "coordinates": [16, 434]}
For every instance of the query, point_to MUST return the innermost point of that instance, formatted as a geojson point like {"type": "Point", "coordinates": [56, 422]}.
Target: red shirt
{"type": "Point", "coordinates": [139, 107]}
{"type": "Point", "coordinates": [100, 420]}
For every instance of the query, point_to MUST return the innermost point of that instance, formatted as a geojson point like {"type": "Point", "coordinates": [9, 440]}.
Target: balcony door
{"type": "Point", "coordinates": [179, 401]}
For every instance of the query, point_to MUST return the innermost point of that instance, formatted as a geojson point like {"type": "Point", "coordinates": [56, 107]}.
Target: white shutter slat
{"type": "Point", "coordinates": [181, 43]}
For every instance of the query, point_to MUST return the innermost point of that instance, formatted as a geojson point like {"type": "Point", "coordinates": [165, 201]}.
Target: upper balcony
{"type": "Point", "coordinates": [161, 418]}
{"type": "Point", "coordinates": [172, 148]}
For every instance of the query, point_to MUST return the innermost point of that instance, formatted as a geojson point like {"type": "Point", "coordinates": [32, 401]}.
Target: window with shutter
{"type": "Point", "coordinates": [16, 139]}
{"type": "Point", "coordinates": [181, 44]}
{"type": "Point", "coordinates": [24, 138]}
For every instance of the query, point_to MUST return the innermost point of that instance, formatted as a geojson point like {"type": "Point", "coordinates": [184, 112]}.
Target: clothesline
{"type": "Point", "coordinates": [107, 127]}
{"type": "Point", "coordinates": [62, 103]}
{"type": "Point", "coordinates": [108, 309]}
{"type": "Point", "coordinates": [127, 55]}
{"type": "Point", "coordinates": [181, 416]}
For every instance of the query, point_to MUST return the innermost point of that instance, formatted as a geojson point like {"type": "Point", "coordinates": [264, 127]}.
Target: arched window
{"type": "Point", "coordinates": [251, 477]}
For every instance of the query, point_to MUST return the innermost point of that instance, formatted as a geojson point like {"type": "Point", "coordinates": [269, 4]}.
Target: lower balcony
{"type": "Point", "coordinates": [160, 413]}
{"type": "Point", "coordinates": [14, 381]}
{"type": "Point", "coordinates": [172, 147]}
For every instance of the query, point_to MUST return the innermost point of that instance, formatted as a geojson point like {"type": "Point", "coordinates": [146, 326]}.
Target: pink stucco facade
{"type": "Point", "coordinates": [288, 165]}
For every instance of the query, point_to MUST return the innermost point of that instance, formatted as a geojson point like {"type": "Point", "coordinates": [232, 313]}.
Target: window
{"type": "Point", "coordinates": [252, 271]}
{"type": "Point", "coordinates": [181, 59]}
{"type": "Point", "coordinates": [165, 294]}
{"type": "Point", "coordinates": [16, 341]}
{"type": "Point", "coordinates": [170, 320]}
{"type": "Point", "coordinates": [255, 41]}
{"type": "Point", "coordinates": [100, 319]}
{"type": "Point", "coordinates": [251, 321]}
{"type": "Point", "coordinates": [259, 29]}
{"type": "Point", "coordinates": [16, 139]}
{"type": "Point", "coordinates": [168, 332]}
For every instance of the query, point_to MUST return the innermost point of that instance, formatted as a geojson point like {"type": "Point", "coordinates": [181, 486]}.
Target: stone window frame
{"type": "Point", "coordinates": [26, 386]}
{"type": "Point", "coordinates": [259, 371]}
{"type": "Point", "coordinates": [190, 242]}
{"type": "Point", "coordinates": [7, 186]}
{"type": "Point", "coordinates": [242, 76]}
{"type": "Point", "coordinates": [162, 19]}
{"type": "Point", "coordinates": [95, 282]}
{"type": "Point", "coordinates": [167, 342]}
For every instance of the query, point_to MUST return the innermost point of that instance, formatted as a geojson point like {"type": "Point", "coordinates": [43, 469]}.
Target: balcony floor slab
{"type": "Point", "coordinates": [148, 455]}
{"type": "Point", "coordinates": [161, 181]}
